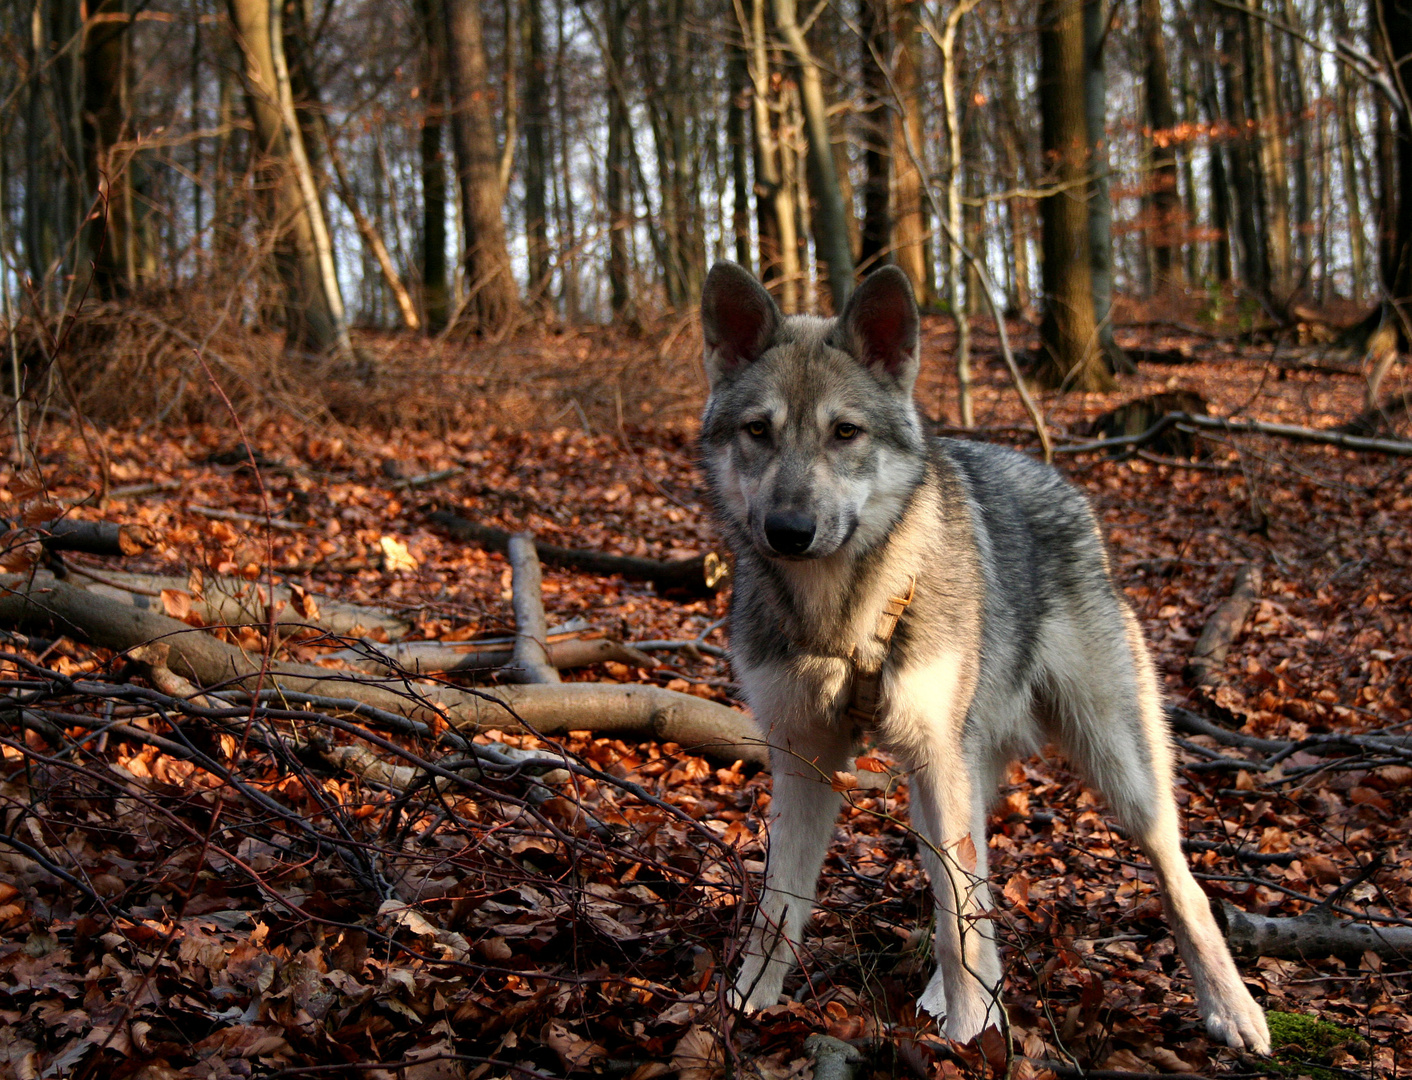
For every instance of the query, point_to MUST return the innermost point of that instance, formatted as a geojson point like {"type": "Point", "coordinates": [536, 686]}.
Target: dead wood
{"type": "Point", "coordinates": [1137, 416]}
{"type": "Point", "coordinates": [242, 602]}
{"type": "Point", "coordinates": [1331, 437]}
{"type": "Point", "coordinates": [626, 710]}
{"type": "Point", "coordinates": [1223, 628]}
{"type": "Point", "coordinates": [453, 658]}
{"type": "Point", "coordinates": [95, 537]}
{"type": "Point", "coordinates": [701, 575]}
{"type": "Point", "coordinates": [531, 663]}
{"type": "Point", "coordinates": [1315, 933]}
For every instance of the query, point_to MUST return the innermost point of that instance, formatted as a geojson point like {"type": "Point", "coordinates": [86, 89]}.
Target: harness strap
{"type": "Point", "coordinates": [865, 699]}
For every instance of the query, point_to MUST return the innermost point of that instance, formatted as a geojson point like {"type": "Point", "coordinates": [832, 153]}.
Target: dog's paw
{"type": "Point", "coordinates": [1238, 1022]}
{"type": "Point", "coordinates": [758, 986]}
{"type": "Point", "coordinates": [933, 999]}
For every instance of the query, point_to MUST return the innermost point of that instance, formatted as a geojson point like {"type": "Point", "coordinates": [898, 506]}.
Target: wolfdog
{"type": "Point", "coordinates": [951, 596]}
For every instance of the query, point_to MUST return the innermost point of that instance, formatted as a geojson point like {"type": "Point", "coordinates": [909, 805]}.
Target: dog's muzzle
{"type": "Point", "coordinates": [788, 533]}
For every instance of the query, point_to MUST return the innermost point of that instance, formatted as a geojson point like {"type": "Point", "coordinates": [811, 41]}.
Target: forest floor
{"type": "Point", "coordinates": [202, 933]}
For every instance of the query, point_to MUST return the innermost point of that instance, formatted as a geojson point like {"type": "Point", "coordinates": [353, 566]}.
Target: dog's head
{"type": "Point", "coordinates": [810, 437]}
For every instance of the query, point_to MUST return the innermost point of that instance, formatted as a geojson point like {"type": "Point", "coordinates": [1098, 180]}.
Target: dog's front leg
{"type": "Point", "coordinates": [948, 806]}
{"type": "Point", "coordinates": [803, 810]}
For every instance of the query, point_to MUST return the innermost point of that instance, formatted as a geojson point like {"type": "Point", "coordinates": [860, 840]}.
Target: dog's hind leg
{"type": "Point", "coordinates": [1110, 716]}
{"type": "Point", "coordinates": [803, 811]}
{"type": "Point", "coordinates": [948, 807]}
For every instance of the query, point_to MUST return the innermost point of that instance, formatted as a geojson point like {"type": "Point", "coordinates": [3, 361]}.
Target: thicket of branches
{"type": "Point", "coordinates": [313, 165]}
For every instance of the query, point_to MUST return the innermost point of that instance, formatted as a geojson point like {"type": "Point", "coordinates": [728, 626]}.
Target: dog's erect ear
{"type": "Point", "coordinates": [879, 325]}
{"type": "Point", "coordinates": [738, 319]}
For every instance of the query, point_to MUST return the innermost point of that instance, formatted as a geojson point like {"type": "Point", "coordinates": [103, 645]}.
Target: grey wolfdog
{"type": "Point", "coordinates": [955, 597]}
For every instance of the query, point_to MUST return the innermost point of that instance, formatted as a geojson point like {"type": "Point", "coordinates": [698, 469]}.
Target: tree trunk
{"type": "Point", "coordinates": [875, 122]}
{"type": "Point", "coordinates": [537, 155]}
{"type": "Point", "coordinates": [739, 80]}
{"type": "Point", "coordinates": [105, 120]}
{"type": "Point", "coordinates": [1292, 64]}
{"type": "Point", "coordinates": [313, 313]}
{"type": "Point", "coordinates": [615, 182]}
{"type": "Point", "coordinates": [955, 215]}
{"type": "Point", "coordinates": [1395, 49]}
{"type": "Point", "coordinates": [830, 229]}
{"type": "Point", "coordinates": [911, 249]}
{"type": "Point", "coordinates": [1068, 333]}
{"type": "Point", "coordinates": [1100, 205]}
{"type": "Point", "coordinates": [1204, 46]}
{"type": "Point", "coordinates": [1245, 179]}
{"type": "Point", "coordinates": [436, 295]}
{"type": "Point", "coordinates": [1164, 200]}
{"type": "Point", "coordinates": [492, 297]}
{"type": "Point", "coordinates": [568, 229]}
{"type": "Point", "coordinates": [774, 199]}
{"type": "Point", "coordinates": [1274, 160]}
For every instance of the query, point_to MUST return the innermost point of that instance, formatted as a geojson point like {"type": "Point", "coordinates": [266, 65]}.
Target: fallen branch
{"type": "Point", "coordinates": [1315, 933]}
{"type": "Point", "coordinates": [702, 575]}
{"type": "Point", "coordinates": [531, 661]}
{"type": "Point", "coordinates": [453, 658]}
{"type": "Point", "coordinates": [218, 514]}
{"type": "Point", "coordinates": [1224, 626]}
{"type": "Point", "coordinates": [626, 710]}
{"type": "Point", "coordinates": [245, 603]}
{"type": "Point", "coordinates": [1187, 421]}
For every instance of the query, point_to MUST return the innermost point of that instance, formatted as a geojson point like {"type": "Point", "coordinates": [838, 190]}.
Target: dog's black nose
{"type": "Point", "coordinates": [789, 534]}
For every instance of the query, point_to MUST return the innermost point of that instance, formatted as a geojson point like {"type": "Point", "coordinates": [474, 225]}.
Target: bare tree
{"type": "Point", "coordinates": [313, 305]}
{"type": "Point", "coordinates": [1069, 333]}
{"type": "Point", "coordinates": [491, 293]}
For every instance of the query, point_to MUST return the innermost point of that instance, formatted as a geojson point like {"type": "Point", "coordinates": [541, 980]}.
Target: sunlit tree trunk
{"type": "Point", "coordinates": [830, 229]}
{"type": "Point", "coordinates": [911, 248]}
{"type": "Point", "coordinates": [313, 306]}
{"type": "Point", "coordinates": [1068, 333]}
{"type": "Point", "coordinates": [491, 287]}
{"type": "Point", "coordinates": [774, 198]}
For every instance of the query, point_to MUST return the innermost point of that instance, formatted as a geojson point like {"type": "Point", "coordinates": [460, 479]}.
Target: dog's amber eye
{"type": "Point", "coordinates": [757, 429]}
{"type": "Point", "coordinates": [846, 431]}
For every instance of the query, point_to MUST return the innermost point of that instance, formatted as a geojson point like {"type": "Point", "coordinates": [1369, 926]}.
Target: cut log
{"type": "Point", "coordinates": [1315, 933]}
{"type": "Point", "coordinates": [96, 537]}
{"type": "Point", "coordinates": [1224, 626]}
{"type": "Point", "coordinates": [531, 663]}
{"type": "Point", "coordinates": [701, 575]}
{"type": "Point", "coordinates": [624, 710]}
{"type": "Point", "coordinates": [241, 602]}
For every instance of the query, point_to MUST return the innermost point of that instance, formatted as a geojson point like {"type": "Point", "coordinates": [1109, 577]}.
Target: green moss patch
{"type": "Point", "coordinates": [1301, 1042]}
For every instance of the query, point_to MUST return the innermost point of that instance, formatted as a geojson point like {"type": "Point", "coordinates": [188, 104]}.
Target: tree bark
{"type": "Point", "coordinates": [538, 132]}
{"type": "Point", "coordinates": [739, 80]}
{"type": "Point", "coordinates": [313, 313]}
{"type": "Point", "coordinates": [1274, 160]}
{"type": "Point", "coordinates": [911, 249]}
{"type": "Point", "coordinates": [1100, 205]}
{"type": "Point", "coordinates": [492, 297]}
{"type": "Point", "coordinates": [1163, 198]}
{"type": "Point", "coordinates": [1315, 933]}
{"type": "Point", "coordinates": [1068, 332]}
{"type": "Point", "coordinates": [1394, 34]}
{"type": "Point", "coordinates": [436, 294]}
{"type": "Point", "coordinates": [122, 256]}
{"type": "Point", "coordinates": [875, 239]}
{"type": "Point", "coordinates": [774, 199]}
{"type": "Point", "coordinates": [1246, 183]}
{"type": "Point", "coordinates": [830, 229]}
{"type": "Point", "coordinates": [616, 183]}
